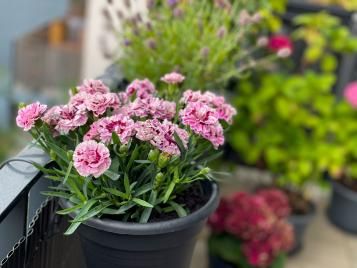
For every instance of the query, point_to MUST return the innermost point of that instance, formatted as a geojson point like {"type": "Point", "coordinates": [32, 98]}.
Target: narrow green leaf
{"type": "Point", "coordinates": [121, 210]}
{"type": "Point", "coordinates": [68, 172]}
{"type": "Point", "coordinates": [145, 215]}
{"type": "Point", "coordinates": [112, 175]}
{"type": "Point", "coordinates": [133, 156]}
{"type": "Point", "coordinates": [179, 144]}
{"type": "Point", "coordinates": [142, 202]}
{"type": "Point", "coordinates": [181, 212]}
{"type": "Point", "coordinates": [115, 138]}
{"type": "Point", "coordinates": [59, 151]}
{"type": "Point", "coordinates": [74, 189]}
{"type": "Point", "coordinates": [143, 189]}
{"type": "Point", "coordinates": [116, 193]}
{"type": "Point", "coordinates": [169, 191]}
{"type": "Point", "coordinates": [92, 213]}
{"type": "Point", "coordinates": [126, 184]}
{"type": "Point", "coordinates": [143, 161]}
{"type": "Point", "coordinates": [69, 210]}
{"type": "Point", "coordinates": [57, 194]}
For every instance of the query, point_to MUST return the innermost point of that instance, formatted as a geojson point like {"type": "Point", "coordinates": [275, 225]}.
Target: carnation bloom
{"type": "Point", "coordinates": [70, 118]}
{"type": "Point", "coordinates": [79, 100]}
{"type": "Point", "coordinates": [91, 158]}
{"type": "Point", "coordinates": [203, 120]}
{"type": "Point", "coordinates": [161, 135]}
{"type": "Point", "coordinates": [350, 94]}
{"type": "Point", "coordinates": [152, 107]}
{"type": "Point", "coordinates": [120, 124]}
{"type": "Point", "coordinates": [173, 78]}
{"type": "Point", "coordinates": [28, 115]}
{"type": "Point", "coordinates": [142, 88]}
{"type": "Point", "coordinates": [52, 116]}
{"type": "Point", "coordinates": [251, 218]}
{"type": "Point", "coordinates": [91, 86]}
{"type": "Point", "coordinates": [277, 201]}
{"type": "Point", "coordinates": [280, 44]}
{"type": "Point", "coordinates": [99, 103]}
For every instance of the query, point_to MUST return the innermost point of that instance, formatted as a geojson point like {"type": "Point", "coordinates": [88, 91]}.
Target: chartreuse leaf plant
{"type": "Point", "coordinates": [221, 39]}
{"type": "Point", "coordinates": [286, 116]}
{"type": "Point", "coordinates": [128, 155]}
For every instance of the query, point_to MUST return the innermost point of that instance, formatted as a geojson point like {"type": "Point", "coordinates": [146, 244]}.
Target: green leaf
{"type": "Point", "coordinates": [116, 193]}
{"type": "Point", "coordinates": [133, 156]}
{"type": "Point", "coordinates": [142, 202]}
{"type": "Point", "coordinates": [143, 161]}
{"type": "Point", "coordinates": [179, 144]}
{"type": "Point", "coordinates": [92, 213]}
{"type": "Point", "coordinates": [57, 194]}
{"type": "Point", "coordinates": [169, 191]}
{"type": "Point", "coordinates": [126, 184]}
{"type": "Point", "coordinates": [74, 189]}
{"type": "Point", "coordinates": [68, 172]}
{"type": "Point", "coordinates": [112, 175]}
{"type": "Point", "coordinates": [181, 212]}
{"type": "Point", "coordinates": [143, 189]}
{"type": "Point", "coordinates": [115, 138]}
{"type": "Point", "coordinates": [279, 261]}
{"type": "Point", "coordinates": [59, 151]}
{"type": "Point", "coordinates": [145, 216]}
{"type": "Point", "coordinates": [69, 210]}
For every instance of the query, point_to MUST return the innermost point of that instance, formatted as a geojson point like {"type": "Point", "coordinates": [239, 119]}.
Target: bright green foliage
{"type": "Point", "coordinates": [287, 120]}
{"type": "Point", "coordinates": [204, 42]}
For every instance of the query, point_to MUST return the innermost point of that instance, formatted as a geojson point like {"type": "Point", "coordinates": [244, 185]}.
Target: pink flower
{"type": "Point", "coordinates": [28, 115]}
{"type": "Point", "coordinates": [161, 135]}
{"type": "Point", "coordinates": [281, 44]}
{"type": "Point", "coordinates": [277, 201]}
{"type": "Point", "coordinates": [91, 86]}
{"type": "Point", "coordinates": [70, 118]}
{"type": "Point", "coordinates": [217, 221]}
{"type": "Point", "coordinates": [153, 107]}
{"type": "Point", "coordinates": [251, 218]}
{"type": "Point", "coordinates": [102, 129]}
{"type": "Point", "coordinates": [173, 78]}
{"type": "Point", "coordinates": [91, 158]}
{"type": "Point", "coordinates": [99, 103]}
{"type": "Point", "coordinates": [258, 253]}
{"type": "Point", "coordinates": [350, 94]}
{"type": "Point", "coordinates": [79, 100]}
{"type": "Point", "coordinates": [203, 120]}
{"type": "Point", "coordinates": [226, 112]}
{"type": "Point", "coordinates": [52, 116]}
{"type": "Point", "coordinates": [142, 88]}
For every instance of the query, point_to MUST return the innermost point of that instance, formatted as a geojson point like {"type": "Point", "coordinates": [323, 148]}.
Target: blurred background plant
{"type": "Point", "coordinates": [212, 41]}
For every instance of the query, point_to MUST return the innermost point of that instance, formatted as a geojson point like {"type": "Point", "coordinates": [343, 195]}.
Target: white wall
{"type": "Point", "coordinates": [96, 36]}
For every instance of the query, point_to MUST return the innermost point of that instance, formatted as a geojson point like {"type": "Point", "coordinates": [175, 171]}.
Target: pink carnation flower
{"type": "Point", "coordinates": [52, 116]}
{"type": "Point", "coordinates": [203, 120]}
{"type": "Point", "coordinates": [79, 100]}
{"type": "Point", "coordinates": [153, 107]}
{"type": "Point", "coordinates": [173, 78]}
{"type": "Point", "coordinates": [277, 201]}
{"type": "Point", "coordinates": [161, 135]}
{"type": "Point", "coordinates": [142, 88]}
{"type": "Point", "coordinates": [28, 115]}
{"type": "Point", "coordinates": [70, 118]}
{"type": "Point", "coordinates": [102, 129]}
{"type": "Point", "coordinates": [92, 86]}
{"type": "Point", "coordinates": [350, 94]}
{"type": "Point", "coordinates": [99, 103]}
{"type": "Point", "coordinates": [91, 158]}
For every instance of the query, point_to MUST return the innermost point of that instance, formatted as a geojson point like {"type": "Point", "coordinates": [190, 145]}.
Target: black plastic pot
{"type": "Point", "coordinates": [168, 244]}
{"type": "Point", "coordinates": [300, 224]}
{"type": "Point", "coordinates": [343, 208]}
{"type": "Point", "coordinates": [216, 262]}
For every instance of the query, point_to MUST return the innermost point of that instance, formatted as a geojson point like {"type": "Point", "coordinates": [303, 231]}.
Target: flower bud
{"type": "Point", "coordinates": [70, 154]}
{"type": "Point", "coordinates": [205, 171]}
{"type": "Point", "coordinates": [284, 52]}
{"type": "Point", "coordinates": [53, 155]}
{"type": "Point", "coordinates": [21, 105]}
{"type": "Point", "coordinates": [150, 43]}
{"type": "Point", "coordinates": [159, 178]}
{"type": "Point", "coordinates": [204, 52]}
{"type": "Point", "coordinates": [153, 155]}
{"type": "Point", "coordinates": [221, 32]}
{"type": "Point", "coordinates": [163, 160]}
{"type": "Point", "coordinates": [123, 149]}
{"type": "Point", "coordinates": [262, 41]}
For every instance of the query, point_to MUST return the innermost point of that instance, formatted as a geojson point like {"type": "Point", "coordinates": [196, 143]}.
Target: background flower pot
{"type": "Point", "coordinates": [343, 208]}
{"type": "Point", "coordinates": [216, 262]}
{"type": "Point", "coordinates": [300, 224]}
{"type": "Point", "coordinates": [108, 243]}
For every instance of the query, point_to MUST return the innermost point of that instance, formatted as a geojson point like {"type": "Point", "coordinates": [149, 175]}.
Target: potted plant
{"type": "Point", "coordinates": [131, 168]}
{"type": "Point", "coordinates": [251, 230]}
{"type": "Point", "coordinates": [284, 115]}
{"type": "Point", "coordinates": [341, 161]}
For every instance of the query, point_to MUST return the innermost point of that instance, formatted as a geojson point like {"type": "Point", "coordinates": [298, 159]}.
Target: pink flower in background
{"type": "Point", "coordinates": [99, 103]}
{"type": "Point", "coordinates": [153, 107]}
{"type": "Point", "coordinates": [251, 218]}
{"type": "Point", "coordinates": [91, 86]}
{"type": "Point", "coordinates": [142, 88]}
{"type": "Point", "coordinates": [52, 116]}
{"type": "Point", "coordinates": [91, 158]}
{"type": "Point", "coordinates": [79, 100]}
{"type": "Point", "coordinates": [102, 129]}
{"type": "Point", "coordinates": [123, 98]}
{"type": "Point", "coordinates": [173, 78]}
{"type": "Point", "coordinates": [70, 119]}
{"type": "Point", "coordinates": [281, 44]}
{"type": "Point", "coordinates": [277, 201]}
{"type": "Point", "coordinates": [161, 135]}
{"type": "Point", "coordinates": [258, 253]}
{"type": "Point", "coordinates": [28, 115]}
{"type": "Point", "coordinates": [217, 221]}
{"type": "Point", "coordinates": [226, 112]}
{"type": "Point", "coordinates": [203, 120]}
{"type": "Point", "coordinates": [350, 94]}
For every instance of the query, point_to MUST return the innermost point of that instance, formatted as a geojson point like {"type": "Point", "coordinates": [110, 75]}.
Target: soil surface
{"type": "Point", "coordinates": [192, 198]}
{"type": "Point", "coordinates": [298, 203]}
{"type": "Point", "coordinates": [349, 183]}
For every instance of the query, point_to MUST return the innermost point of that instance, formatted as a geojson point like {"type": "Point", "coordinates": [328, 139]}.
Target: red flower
{"type": "Point", "coordinates": [277, 201]}
{"type": "Point", "coordinates": [217, 220]}
{"type": "Point", "coordinates": [281, 44]}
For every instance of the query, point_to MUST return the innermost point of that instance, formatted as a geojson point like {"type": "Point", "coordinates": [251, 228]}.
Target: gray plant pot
{"type": "Point", "coordinates": [168, 244]}
{"type": "Point", "coordinates": [300, 224]}
{"type": "Point", "coordinates": [342, 211]}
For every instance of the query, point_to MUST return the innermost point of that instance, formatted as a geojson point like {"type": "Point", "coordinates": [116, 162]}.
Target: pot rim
{"type": "Point", "coordinates": [154, 228]}
{"type": "Point", "coordinates": [342, 189]}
